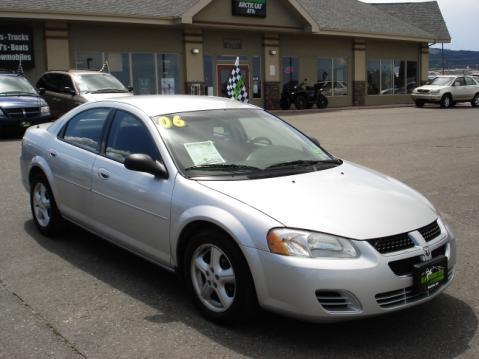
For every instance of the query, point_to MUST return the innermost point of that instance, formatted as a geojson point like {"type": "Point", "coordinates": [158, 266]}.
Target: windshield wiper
{"type": "Point", "coordinates": [223, 167]}
{"type": "Point", "coordinates": [108, 91]}
{"type": "Point", "coordinates": [303, 163]}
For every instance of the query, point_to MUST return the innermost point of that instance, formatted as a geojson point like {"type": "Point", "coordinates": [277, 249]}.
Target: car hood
{"type": "Point", "coordinates": [21, 101]}
{"type": "Point", "coordinates": [92, 97]}
{"type": "Point", "coordinates": [349, 201]}
{"type": "Point", "coordinates": [432, 88]}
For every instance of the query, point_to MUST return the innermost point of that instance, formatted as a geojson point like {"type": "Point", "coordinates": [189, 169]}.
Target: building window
{"type": "Point", "coordinates": [412, 76]}
{"type": "Point", "coordinates": [256, 60]}
{"type": "Point", "coordinates": [391, 77]}
{"type": "Point", "coordinates": [168, 74]}
{"type": "Point", "coordinates": [399, 77]}
{"type": "Point", "coordinates": [119, 65]}
{"type": "Point", "coordinates": [144, 73]}
{"type": "Point", "coordinates": [290, 69]}
{"type": "Point", "coordinates": [333, 76]}
{"type": "Point", "coordinates": [88, 60]}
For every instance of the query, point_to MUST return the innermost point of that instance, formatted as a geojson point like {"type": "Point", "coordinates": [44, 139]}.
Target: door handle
{"type": "Point", "coordinates": [103, 174]}
{"type": "Point", "coordinates": [52, 153]}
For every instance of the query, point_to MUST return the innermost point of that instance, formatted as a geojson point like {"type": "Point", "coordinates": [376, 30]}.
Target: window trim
{"type": "Point", "coordinates": [61, 133]}
{"type": "Point", "coordinates": [107, 132]}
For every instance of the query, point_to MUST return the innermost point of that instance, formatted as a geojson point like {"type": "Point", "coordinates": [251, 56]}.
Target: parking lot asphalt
{"type": "Point", "coordinates": [79, 296]}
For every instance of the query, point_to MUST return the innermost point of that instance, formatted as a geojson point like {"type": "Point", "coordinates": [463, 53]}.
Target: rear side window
{"type": "Point", "coordinates": [85, 129]}
{"type": "Point", "coordinates": [469, 81]}
{"type": "Point", "coordinates": [129, 135]}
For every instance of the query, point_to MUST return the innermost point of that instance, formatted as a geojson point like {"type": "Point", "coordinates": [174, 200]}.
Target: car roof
{"type": "Point", "coordinates": [78, 72]}
{"type": "Point", "coordinates": [155, 105]}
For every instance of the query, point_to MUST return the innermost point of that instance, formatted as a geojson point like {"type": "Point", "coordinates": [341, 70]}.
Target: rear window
{"type": "Point", "coordinates": [85, 129]}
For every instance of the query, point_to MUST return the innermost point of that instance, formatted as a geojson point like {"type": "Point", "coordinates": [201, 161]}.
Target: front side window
{"type": "Point", "coordinates": [65, 81]}
{"type": "Point", "coordinates": [128, 135]}
{"type": "Point", "coordinates": [460, 82]}
{"type": "Point", "coordinates": [85, 129]}
{"type": "Point", "coordinates": [222, 142]}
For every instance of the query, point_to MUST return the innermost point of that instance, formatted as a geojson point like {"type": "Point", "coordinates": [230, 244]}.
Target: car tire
{"type": "Point", "coordinates": [475, 101]}
{"type": "Point", "coordinates": [285, 103]}
{"type": "Point", "coordinates": [419, 103]}
{"type": "Point", "coordinates": [301, 102]}
{"type": "Point", "coordinates": [218, 278]}
{"type": "Point", "coordinates": [446, 101]}
{"type": "Point", "coordinates": [322, 102]}
{"type": "Point", "coordinates": [44, 209]}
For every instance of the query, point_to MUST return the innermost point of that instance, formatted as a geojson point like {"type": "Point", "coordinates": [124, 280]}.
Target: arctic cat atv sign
{"type": "Point", "coordinates": [255, 8]}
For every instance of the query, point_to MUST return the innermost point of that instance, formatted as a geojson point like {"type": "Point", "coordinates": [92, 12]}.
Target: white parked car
{"type": "Point", "coordinates": [245, 207]}
{"type": "Point", "coordinates": [447, 91]}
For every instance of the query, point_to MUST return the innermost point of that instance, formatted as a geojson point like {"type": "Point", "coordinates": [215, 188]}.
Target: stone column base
{"type": "Point", "coordinates": [359, 93]}
{"type": "Point", "coordinates": [190, 86]}
{"type": "Point", "coordinates": [272, 95]}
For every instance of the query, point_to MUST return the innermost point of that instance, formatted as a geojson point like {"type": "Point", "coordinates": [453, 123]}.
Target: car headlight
{"type": "Point", "coordinates": [297, 243]}
{"type": "Point", "coordinates": [45, 110]}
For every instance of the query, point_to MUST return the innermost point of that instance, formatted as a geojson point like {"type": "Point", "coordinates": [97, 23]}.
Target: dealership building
{"type": "Point", "coordinates": [362, 53]}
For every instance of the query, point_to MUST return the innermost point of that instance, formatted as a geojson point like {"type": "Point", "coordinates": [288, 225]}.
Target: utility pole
{"type": "Point", "coordinates": [442, 53]}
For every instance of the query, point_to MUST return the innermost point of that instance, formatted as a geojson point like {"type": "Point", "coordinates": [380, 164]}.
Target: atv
{"type": "Point", "coordinates": [302, 96]}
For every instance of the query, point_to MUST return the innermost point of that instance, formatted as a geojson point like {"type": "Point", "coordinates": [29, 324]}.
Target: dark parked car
{"type": "Point", "coordinates": [65, 90]}
{"type": "Point", "coordinates": [20, 104]}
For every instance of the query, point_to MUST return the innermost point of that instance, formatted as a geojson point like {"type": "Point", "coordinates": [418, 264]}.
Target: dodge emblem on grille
{"type": "Point", "coordinates": [427, 251]}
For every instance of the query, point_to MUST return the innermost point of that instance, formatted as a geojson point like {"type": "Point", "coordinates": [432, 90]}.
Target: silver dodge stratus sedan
{"type": "Point", "coordinates": [245, 207]}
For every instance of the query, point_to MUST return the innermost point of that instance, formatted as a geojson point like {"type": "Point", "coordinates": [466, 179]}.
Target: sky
{"type": "Point", "coordinates": [462, 19]}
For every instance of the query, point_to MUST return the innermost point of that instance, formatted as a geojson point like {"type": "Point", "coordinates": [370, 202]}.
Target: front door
{"type": "Point", "coordinates": [223, 73]}
{"type": "Point", "coordinates": [131, 207]}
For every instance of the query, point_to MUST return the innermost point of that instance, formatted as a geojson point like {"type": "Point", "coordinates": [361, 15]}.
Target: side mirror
{"type": "Point", "coordinates": [139, 162]}
{"type": "Point", "coordinates": [315, 141]}
{"type": "Point", "coordinates": [130, 88]}
{"type": "Point", "coordinates": [69, 90]}
{"type": "Point", "coordinates": [41, 91]}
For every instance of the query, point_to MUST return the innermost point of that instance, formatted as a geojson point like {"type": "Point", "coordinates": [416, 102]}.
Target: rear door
{"type": "Point", "coordinates": [130, 207]}
{"type": "Point", "coordinates": [71, 158]}
{"type": "Point", "coordinates": [472, 88]}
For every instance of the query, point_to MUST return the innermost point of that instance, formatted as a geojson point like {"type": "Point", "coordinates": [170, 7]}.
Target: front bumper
{"type": "Point", "coordinates": [326, 290]}
{"type": "Point", "coordinates": [426, 97]}
{"type": "Point", "coordinates": [24, 122]}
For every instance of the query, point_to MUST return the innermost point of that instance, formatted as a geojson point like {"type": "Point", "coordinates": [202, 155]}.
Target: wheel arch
{"type": "Point", "coordinates": [38, 165]}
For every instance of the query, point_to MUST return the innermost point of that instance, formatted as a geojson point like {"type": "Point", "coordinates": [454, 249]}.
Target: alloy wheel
{"type": "Point", "coordinates": [213, 278]}
{"type": "Point", "coordinates": [41, 204]}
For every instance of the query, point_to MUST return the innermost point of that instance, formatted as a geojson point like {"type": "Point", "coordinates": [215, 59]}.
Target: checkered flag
{"type": "Point", "coordinates": [236, 88]}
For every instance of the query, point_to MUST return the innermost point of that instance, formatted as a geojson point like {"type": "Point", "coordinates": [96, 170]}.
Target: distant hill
{"type": "Point", "coordinates": [454, 59]}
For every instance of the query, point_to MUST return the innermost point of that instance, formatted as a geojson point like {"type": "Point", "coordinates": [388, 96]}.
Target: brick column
{"type": "Point", "coordinates": [193, 41]}
{"type": "Point", "coordinates": [57, 46]}
{"type": "Point", "coordinates": [272, 95]}
{"type": "Point", "coordinates": [424, 64]}
{"type": "Point", "coordinates": [359, 76]}
{"type": "Point", "coordinates": [272, 79]}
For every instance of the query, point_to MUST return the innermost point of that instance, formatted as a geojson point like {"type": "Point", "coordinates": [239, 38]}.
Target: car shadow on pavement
{"type": "Point", "coordinates": [441, 328]}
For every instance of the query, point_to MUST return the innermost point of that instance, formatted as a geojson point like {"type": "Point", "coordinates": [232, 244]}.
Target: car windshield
{"type": "Point", "coordinates": [238, 143]}
{"type": "Point", "coordinates": [15, 85]}
{"type": "Point", "coordinates": [442, 81]}
{"type": "Point", "coordinates": [98, 83]}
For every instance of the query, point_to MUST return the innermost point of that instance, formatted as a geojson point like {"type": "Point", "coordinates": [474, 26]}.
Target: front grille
{"type": "Point", "coordinates": [402, 241]}
{"type": "Point", "coordinates": [422, 91]}
{"type": "Point", "coordinates": [333, 301]}
{"type": "Point", "coordinates": [398, 298]}
{"type": "Point", "coordinates": [392, 244]}
{"type": "Point", "coordinates": [405, 266]}
{"type": "Point", "coordinates": [430, 231]}
{"type": "Point", "coordinates": [23, 113]}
